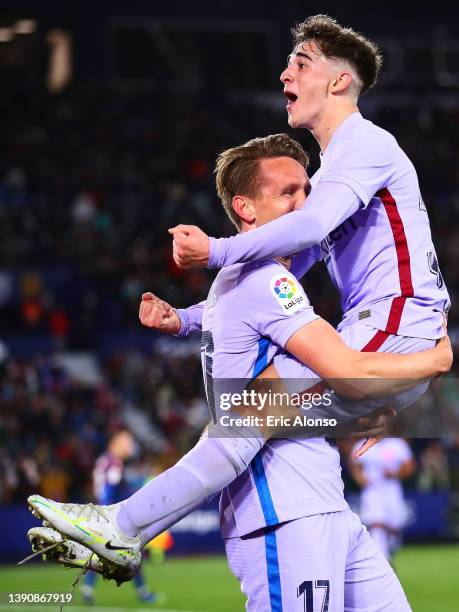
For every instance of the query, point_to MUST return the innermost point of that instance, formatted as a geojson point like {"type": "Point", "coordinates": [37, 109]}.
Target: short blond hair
{"type": "Point", "coordinates": [238, 170]}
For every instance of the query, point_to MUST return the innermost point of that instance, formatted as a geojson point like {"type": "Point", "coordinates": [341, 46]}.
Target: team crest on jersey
{"type": "Point", "coordinates": [288, 293]}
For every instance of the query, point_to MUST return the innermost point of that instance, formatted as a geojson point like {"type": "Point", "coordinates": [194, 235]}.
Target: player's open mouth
{"type": "Point", "coordinates": [291, 97]}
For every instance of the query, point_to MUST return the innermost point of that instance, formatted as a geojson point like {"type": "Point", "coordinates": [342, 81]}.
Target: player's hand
{"type": "Point", "coordinates": [190, 246]}
{"type": "Point", "coordinates": [158, 314]}
{"type": "Point", "coordinates": [374, 427]}
{"type": "Point", "coordinates": [374, 424]}
{"type": "Point", "coordinates": [369, 442]}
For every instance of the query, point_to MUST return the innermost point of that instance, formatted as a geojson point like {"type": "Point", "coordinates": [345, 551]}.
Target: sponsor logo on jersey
{"type": "Point", "coordinates": [288, 293]}
{"type": "Point", "coordinates": [344, 231]}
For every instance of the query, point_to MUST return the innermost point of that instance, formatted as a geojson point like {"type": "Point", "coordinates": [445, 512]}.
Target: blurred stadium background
{"type": "Point", "coordinates": [112, 114]}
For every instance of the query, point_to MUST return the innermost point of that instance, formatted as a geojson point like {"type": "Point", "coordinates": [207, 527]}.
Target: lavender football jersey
{"type": "Point", "coordinates": [382, 258]}
{"type": "Point", "coordinates": [367, 213]}
{"type": "Point", "coordinates": [251, 312]}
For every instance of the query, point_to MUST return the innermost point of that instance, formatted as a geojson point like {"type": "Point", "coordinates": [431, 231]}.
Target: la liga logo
{"type": "Point", "coordinates": [288, 294]}
{"type": "Point", "coordinates": [285, 288]}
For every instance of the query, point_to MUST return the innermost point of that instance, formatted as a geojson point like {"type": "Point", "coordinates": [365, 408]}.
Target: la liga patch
{"type": "Point", "coordinates": [288, 293]}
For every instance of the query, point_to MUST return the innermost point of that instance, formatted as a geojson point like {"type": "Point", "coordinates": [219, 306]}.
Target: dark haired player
{"type": "Point", "coordinates": [287, 509]}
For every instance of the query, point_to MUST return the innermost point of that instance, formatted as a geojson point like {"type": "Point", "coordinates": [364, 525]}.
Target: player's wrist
{"type": "Point", "coordinates": [182, 323]}
{"type": "Point", "coordinates": [176, 324]}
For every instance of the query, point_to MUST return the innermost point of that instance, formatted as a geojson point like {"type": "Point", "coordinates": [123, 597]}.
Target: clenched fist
{"type": "Point", "coordinates": [190, 246]}
{"type": "Point", "coordinates": [158, 314]}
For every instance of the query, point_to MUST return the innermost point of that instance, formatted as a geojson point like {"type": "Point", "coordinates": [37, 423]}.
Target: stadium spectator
{"type": "Point", "coordinates": [433, 470]}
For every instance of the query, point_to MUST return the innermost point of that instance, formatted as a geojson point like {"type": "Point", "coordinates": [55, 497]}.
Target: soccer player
{"type": "Point", "coordinates": [382, 505]}
{"type": "Point", "coordinates": [365, 216]}
{"type": "Point", "coordinates": [269, 531]}
{"type": "Point", "coordinates": [111, 487]}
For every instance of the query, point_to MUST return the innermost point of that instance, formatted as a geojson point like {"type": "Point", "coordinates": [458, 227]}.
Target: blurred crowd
{"type": "Point", "coordinates": [54, 424]}
{"type": "Point", "coordinates": [90, 181]}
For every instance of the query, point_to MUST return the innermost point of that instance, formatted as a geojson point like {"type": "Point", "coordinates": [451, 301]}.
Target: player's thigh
{"type": "Point", "coordinates": [297, 566]}
{"type": "Point", "coordinates": [358, 336]}
{"type": "Point", "coordinates": [370, 584]}
{"type": "Point", "coordinates": [312, 557]}
{"type": "Point", "coordinates": [247, 559]}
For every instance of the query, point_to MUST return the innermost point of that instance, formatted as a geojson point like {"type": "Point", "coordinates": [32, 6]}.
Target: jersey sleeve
{"type": "Point", "coordinates": [365, 165]}
{"type": "Point", "coordinates": [278, 305]}
{"type": "Point", "coordinates": [328, 205]}
{"type": "Point", "coordinates": [190, 319]}
{"type": "Point", "coordinates": [303, 261]}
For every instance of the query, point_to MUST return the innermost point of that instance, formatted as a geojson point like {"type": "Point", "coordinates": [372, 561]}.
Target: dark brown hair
{"type": "Point", "coordinates": [337, 42]}
{"type": "Point", "coordinates": [238, 172]}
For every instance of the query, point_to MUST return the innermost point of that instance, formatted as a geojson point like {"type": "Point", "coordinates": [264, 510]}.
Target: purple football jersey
{"type": "Point", "coordinates": [382, 258]}
{"type": "Point", "coordinates": [367, 213]}
{"type": "Point", "coordinates": [251, 312]}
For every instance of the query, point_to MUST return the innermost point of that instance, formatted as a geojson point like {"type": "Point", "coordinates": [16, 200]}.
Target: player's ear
{"type": "Point", "coordinates": [244, 209]}
{"type": "Point", "coordinates": [341, 82]}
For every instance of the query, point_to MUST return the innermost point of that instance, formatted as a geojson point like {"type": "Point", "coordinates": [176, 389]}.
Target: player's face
{"type": "Point", "coordinates": [285, 188]}
{"type": "Point", "coordinates": [306, 82]}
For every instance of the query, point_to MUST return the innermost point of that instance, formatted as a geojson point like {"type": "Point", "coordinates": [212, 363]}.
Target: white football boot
{"type": "Point", "coordinates": [53, 547]}
{"type": "Point", "coordinates": [95, 528]}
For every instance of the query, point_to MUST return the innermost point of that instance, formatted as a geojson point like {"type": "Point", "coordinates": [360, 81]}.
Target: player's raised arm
{"type": "Point", "coordinates": [304, 260]}
{"type": "Point", "coordinates": [358, 375]}
{"type": "Point", "coordinates": [158, 314]}
{"type": "Point", "coordinates": [190, 319]}
{"type": "Point", "coordinates": [328, 205]}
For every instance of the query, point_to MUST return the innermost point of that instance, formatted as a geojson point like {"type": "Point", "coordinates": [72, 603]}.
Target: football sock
{"type": "Point", "coordinates": [208, 467]}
